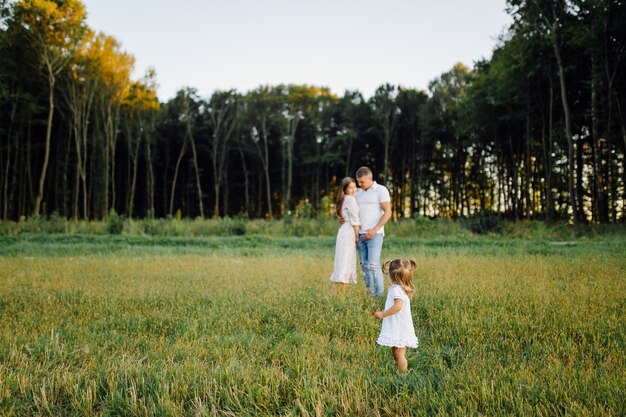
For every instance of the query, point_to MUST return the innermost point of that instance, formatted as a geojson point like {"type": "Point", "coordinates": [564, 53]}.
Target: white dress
{"type": "Point", "coordinates": [397, 329]}
{"type": "Point", "coordinates": [345, 248]}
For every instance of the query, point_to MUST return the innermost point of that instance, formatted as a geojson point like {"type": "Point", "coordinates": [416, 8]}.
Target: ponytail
{"type": "Point", "coordinates": [400, 271]}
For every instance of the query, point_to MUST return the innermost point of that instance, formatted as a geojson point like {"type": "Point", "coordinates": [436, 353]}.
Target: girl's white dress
{"type": "Point", "coordinates": [345, 248]}
{"type": "Point", "coordinates": [397, 329]}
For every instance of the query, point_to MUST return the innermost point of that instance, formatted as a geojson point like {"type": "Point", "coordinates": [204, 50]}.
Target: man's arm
{"type": "Point", "coordinates": [386, 207]}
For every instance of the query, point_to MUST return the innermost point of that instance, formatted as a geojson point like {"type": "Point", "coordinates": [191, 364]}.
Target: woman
{"type": "Point", "coordinates": [347, 237]}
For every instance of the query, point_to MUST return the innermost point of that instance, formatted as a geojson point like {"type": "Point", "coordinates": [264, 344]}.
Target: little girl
{"type": "Point", "coordinates": [397, 330]}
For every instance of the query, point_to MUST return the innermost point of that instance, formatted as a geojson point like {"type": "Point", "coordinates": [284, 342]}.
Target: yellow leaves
{"type": "Point", "coordinates": [114, 65]}
{"type": "Point", "coordinates": [306, 97]}
{"type": "Point", "coordinates": [51, 23]}
{"type": "Point", "coordinates": [141, 96]}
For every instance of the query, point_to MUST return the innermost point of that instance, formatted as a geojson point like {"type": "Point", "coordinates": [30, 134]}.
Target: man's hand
{"type": "Point", "coordinates": [341, 220]}
{"type": "Point", "coordinates": [370, 234]}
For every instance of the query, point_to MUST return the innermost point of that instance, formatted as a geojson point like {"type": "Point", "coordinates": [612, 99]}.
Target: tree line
{"type": "Point", "coordinates": [538, 130]}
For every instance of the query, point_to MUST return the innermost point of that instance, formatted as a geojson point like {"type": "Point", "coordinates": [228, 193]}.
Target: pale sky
{"type": "Point", "coordinates": [341, 44]}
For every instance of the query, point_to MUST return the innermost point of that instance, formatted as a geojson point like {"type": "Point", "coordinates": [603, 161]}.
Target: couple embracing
{"type": "Point", "coordinates": [363, 213]}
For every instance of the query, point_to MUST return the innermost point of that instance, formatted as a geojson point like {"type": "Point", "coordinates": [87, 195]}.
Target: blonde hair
{"type": "Point", "coordinates": [400, 271]}
{"type": "Point", "coordinates": [341, 193]}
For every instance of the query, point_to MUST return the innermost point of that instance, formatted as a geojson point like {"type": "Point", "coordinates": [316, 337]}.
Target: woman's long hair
{"type": "Point", "coordinates": [400, 271]}
{"type": "Point", "coordinates": [341, 193]}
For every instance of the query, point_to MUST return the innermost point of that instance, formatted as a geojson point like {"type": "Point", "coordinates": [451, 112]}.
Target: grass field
{"type": "Point", "coordinates": [142, 326]}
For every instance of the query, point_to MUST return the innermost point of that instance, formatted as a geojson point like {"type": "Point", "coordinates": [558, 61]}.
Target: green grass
{"type": "Point", "coordinates": [245, 325]}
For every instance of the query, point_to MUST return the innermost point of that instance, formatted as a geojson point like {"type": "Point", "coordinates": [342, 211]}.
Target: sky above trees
{"type": "Point", "coordinates": [356, 45]}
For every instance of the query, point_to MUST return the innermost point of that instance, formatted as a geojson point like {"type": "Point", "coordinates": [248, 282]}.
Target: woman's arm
{"type": "Point", "coordinates": [396, 307]}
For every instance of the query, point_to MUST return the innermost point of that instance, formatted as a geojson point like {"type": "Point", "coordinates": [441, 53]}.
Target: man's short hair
{"type": "Point", "coordinates": [363, 171]}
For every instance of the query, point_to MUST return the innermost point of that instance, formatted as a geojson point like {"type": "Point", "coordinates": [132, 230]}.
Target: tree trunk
{"type": "Point", "coordinates": [107, 151]}
{"type": "Point", "coordinates": [216, 190]}
{"type": "Point", "coordinates": [197, 171]}
{"type": "Point", "coordinates": [528, 209]}
{"type": "Point", "coordinates": [291, 138]}
{"type": "Point", "coordinates": [113, 182]}
{"type": "Point", "coordinates": [150, 180]}
{"type": "Point", "coordinates": [187, 113]}
{"type": "Point", "coordinates": [245, 179]}
{"type": "Point", "coordinates": [349, 155]}
{"type": "Point", "coordinates": [547, 148]}
{"type": "Point", "coordinates": [46, 157]}
{"type": "Point", "coordinates": [568, 125]}
{"type": "Point", "coordinates": [580, 191]}
{"type": "Point", "coordinates": [260, 197]}
{"type": "Point", "coordinates": [7, 167]}
{"type": "Point", "coordinates": [180, 157]}
{"type": "Point", "coordinates": [514, 179]}
{"type": "Point", "coordinates": [265, 162]}
{"type": "Point", "coordinates": [622, 118]}
{"type": "Point", "coordinates": [268, 192]}
{"type": "Point", "coordinates": [5, 185]}
{"type": "Point", "coordinates": [134, 153]}
{"type": "Point", "coordinates": [164, 179]}
{"type": "Point", "coordinates": [386, 140]}
{"type": "Point", "coordinates": [601, 210]}
{"type": "Point", "coordinates": [225, 190]}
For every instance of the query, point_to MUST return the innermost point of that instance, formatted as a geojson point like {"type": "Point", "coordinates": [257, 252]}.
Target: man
{"type": "Point", "coordinates": [375, 211]}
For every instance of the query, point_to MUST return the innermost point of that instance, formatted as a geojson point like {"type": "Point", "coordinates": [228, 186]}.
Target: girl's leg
{"type": "Point", "coordinates": [398, 356]}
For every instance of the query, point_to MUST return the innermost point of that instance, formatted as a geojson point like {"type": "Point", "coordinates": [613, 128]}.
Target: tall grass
{"type": "Point", "coordinates": [165, 329]}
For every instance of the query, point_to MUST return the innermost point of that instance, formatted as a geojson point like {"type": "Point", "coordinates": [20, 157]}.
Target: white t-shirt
{"type": "Point", "coordinates": [369, 204]}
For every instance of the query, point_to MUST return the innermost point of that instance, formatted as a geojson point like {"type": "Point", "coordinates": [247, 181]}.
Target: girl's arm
{"type": "Point", "coordinates": [356, 233]}
{"type": "Point", "coordinates": [396, 307]}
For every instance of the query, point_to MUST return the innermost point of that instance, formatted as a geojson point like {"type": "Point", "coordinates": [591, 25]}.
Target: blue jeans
{"type": "Point", "coordinates": [369, 256]}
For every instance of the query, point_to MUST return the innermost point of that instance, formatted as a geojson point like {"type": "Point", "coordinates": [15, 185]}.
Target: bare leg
{"type": "Point", "coordinates": [398, 356]}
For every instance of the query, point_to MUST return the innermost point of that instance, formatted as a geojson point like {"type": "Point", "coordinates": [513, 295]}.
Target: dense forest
{"type": "Point", "coordinates": [536, 131]}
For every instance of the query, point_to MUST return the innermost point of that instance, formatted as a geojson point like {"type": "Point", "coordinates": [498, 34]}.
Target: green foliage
{"type": "Point", "coordinates": [424, 227]}
{"type": "Point", "coordinates": [55, 224]}
{"type": "Point", "coordinates": [418, 228]}
{"type": "Point", "coordinates": [115, 223]}
{"type": "Point", "coordinates": [304, 209]}
{"type": "Point", "coordinates": [484, 222]}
